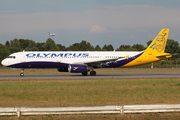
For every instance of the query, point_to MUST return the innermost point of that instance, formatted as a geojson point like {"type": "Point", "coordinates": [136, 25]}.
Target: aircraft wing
{"type": "Point", "coordinates": [101, 62]}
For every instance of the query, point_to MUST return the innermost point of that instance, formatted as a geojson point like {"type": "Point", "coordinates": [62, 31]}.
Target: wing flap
{"type": "Point", "coordinates": [100, 62]}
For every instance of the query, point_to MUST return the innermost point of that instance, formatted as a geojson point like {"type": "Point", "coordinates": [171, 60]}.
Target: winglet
{"type": "Point", "coordinates": [127, 56]}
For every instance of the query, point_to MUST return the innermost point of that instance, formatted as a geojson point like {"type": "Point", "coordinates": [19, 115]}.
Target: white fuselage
{"type": "Point", "coordinates": [65, 57]}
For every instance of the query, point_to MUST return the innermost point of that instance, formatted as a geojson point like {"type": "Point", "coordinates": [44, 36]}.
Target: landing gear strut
{"type": "Point", "coordinates": [92, 73]}
{"type": "Point", "coordinates": [22, 72]}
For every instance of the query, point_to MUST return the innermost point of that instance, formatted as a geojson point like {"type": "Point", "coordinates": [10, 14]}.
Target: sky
{"type": "Point", "coordinates": [99, 22]}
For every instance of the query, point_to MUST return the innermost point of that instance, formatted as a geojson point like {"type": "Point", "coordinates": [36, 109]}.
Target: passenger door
{"type": "Point", "coordinates": [145, 57]}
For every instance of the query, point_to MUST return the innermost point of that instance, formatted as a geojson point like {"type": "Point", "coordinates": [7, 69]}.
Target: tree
{"type": "Point", "coordinates": [15, 46]}
{"type": "Point", "coordinates": [85, 46]}
{"type": "Point", "coordinates": [104, 48]}
{"type": "Point", "coordinates": [97, 48]}
{"type": "Point", "coordinates": [54, 47]}
{"type": "Point", "coordinates": [32, 46]}
{"type": "Point", "coordinates": [40, 46]}
{"type": "Point", "coordinates": [108, 48]}
{"type": "Point", "coordinates": [4, 52]}
{"type": "Point", "coordinates": [172, 47]}
{"type": "Point", "coordinates": [24, 43]}
{"type": "Point", "coordinates": [125, 48]}
{"type": "Point", "coordinates": [82, 46]}
{"type": "Point", "coordinates": [89, 47]}
{"type": "Point", "coordinates": [149, 42]}
{"type": "Point", "coordinates": [50, 45]}
{"type": "Point", "coordinates": [138, 47]}
{"type": "Point", "coordinates": [61, 47]}
{"type": "Point", "coordinates": [7, 44]}
{"type": "Point", "coordinates": [73, 47]}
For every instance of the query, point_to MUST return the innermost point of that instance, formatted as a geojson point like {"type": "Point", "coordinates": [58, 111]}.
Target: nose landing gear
{"type": "Point", "coordinates": [22, 72]}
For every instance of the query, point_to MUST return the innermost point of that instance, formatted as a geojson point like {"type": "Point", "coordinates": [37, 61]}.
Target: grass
{"type": "Point", "coordinates": [89, 92]}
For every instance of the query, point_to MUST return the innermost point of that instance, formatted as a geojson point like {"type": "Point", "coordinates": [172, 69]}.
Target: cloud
{"type": "Point", "coordinates": [173, 35]}
{"type": "Point", "coordinates": [8, 11]}
{"type": "Point", "coordinates": [98, 29]}
{"type": "Point", "coordinates": [151, 37]}
{"type": "Point", "coordinates": [115, 18]}
{"type": "Point", "coordinates": [131, 36]}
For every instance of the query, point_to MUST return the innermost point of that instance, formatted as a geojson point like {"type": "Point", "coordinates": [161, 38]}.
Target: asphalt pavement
{"type": "Point", "coordinates": [78, 76]}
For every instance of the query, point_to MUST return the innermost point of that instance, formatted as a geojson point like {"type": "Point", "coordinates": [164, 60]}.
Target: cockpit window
{"type": "Point", "coordinates": [12, 57]}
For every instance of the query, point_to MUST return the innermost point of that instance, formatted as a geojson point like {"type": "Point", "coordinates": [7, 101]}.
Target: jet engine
{"type": "Point", "coordinates": [77, 68]}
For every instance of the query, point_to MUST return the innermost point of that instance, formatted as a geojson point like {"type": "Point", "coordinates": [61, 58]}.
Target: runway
{"type": "Point", "coordinates": [78, 76]}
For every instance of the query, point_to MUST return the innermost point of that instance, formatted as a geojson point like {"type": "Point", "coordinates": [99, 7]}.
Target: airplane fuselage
{"type": "Point", "coordinates": [58, 59]}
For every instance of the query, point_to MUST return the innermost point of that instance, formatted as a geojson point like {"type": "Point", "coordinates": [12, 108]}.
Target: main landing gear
{"type": "Point", "coordinates": [85, 73]}
{"type": "Point", "coordinates": [92, 73]}
{"type": "Point", "coordinates": [22, 72]}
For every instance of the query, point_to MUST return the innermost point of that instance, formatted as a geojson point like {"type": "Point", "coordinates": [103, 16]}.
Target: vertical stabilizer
{"type": "Point", "coordinates": [158, 45]}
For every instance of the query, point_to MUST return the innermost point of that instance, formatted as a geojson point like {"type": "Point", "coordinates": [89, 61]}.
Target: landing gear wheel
{"type": "Point", "coordinates": [93, 73]}
{"type": "Point", "coordinates": [84, 73]}
{"type": "Point", "coordinates": [21, 74]}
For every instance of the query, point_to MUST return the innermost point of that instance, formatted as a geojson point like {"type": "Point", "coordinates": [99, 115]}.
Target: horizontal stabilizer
{"type": "Point", "coordinates": [164, 55]}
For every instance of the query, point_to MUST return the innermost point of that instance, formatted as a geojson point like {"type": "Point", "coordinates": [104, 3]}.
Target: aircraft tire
{"type": "Point", "coordinates": [84, 73]}
{"type": "Point", "coordinates": [21, 74]}
{"type": "Point", "coordinates": [93, 73]}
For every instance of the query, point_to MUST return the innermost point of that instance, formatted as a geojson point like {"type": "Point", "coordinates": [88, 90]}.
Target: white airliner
{"type": "Point", "coordinates": [51, 34]}
{"type": "Point", "coordinates": [85, 61]}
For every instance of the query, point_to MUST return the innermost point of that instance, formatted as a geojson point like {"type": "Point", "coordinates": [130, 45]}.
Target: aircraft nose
{"type": "Point", "coordinates": [4, 62]}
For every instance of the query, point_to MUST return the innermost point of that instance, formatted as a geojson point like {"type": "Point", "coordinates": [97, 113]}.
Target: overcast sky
{"type": "Point", "coordinates": [99, 22]}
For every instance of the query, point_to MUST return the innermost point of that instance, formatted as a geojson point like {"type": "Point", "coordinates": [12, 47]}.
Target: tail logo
{"type": "Point", "coordinates": [160, 42]}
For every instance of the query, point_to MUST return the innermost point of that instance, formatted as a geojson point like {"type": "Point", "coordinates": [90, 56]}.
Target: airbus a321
{"type": "Point", "coordinates": [85, 61]}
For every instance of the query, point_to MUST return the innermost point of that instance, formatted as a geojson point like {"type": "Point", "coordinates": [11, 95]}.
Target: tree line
{"type": "Point", "coordinates": [17, 45]}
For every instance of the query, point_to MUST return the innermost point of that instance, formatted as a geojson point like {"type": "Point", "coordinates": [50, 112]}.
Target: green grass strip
{"type": "Point", "coordinates": [89, 92]}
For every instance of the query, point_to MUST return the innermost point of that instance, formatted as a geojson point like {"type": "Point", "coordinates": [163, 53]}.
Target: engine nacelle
{"type": "Point", "coordinates": [62, 69]}
{"type": "Point", "coordinates": [76, 68]}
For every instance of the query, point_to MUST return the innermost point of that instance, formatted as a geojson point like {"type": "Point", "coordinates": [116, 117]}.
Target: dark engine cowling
{"type": "Point", "coordinates": [76, 68]}
{"type": "Point", "coordinates": [62, 69]}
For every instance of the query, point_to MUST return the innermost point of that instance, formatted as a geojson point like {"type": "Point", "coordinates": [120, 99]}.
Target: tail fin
{"type": "Point", "coordinates": [158, 45]}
